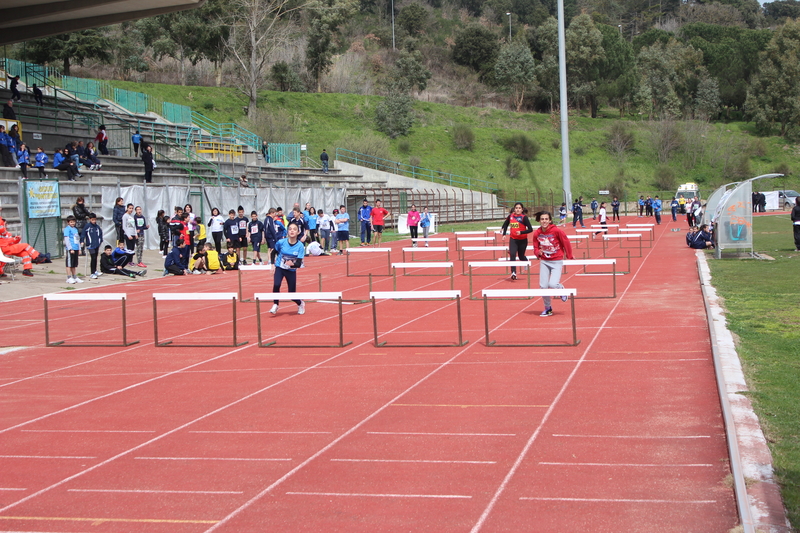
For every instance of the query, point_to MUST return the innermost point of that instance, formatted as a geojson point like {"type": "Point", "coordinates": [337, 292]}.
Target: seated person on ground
{"type": "Point", "coordinates": [177, 262]}
{"type": "Point", "coordinates": [230, 261]}
{"type": "Point", "coordinates": [109, 266]}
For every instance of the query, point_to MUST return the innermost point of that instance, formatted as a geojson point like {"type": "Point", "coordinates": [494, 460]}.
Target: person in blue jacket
{"type": "Point", "coordinates": [177, 262]}
{"type": "Point", "coordinates": [24, 159]}
{"type": "Point", "coordinates": [290, 257]}
{"type": "Point", "coordinates": [674, 206]}
{"type": "Point", "coordinates": [41, 162]}
{"type": "Point", "coordinates": [577, 213]}
{"type": "Point", "coordinates": [62, 163]}
{"type": "Point", "coordinates": [136, 139]}
{"type": "Point", "coordinates": [657, 209]}
{"type": "Point", "coordinates": [92, 238]}
{"type": "Point", "coordinates": [4, 152]}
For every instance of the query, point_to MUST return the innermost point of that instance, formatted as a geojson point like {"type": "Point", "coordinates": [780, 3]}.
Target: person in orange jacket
{"type": "Point", "coordinates": [12, 247]}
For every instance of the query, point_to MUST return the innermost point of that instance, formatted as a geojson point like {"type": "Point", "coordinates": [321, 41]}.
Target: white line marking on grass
{"type": "Point", "coordinates": [413, 461]}
{"type": "Point", "coordinates": [213, 458]}
{"type": "Point", "coordinates": [441, 434]}
{"type": "Point", "coordinates": [634, 436]}
{"type": "Point", "coordinates": [625, 464]}
{"type": "Point", "coordinates": [507, 479]}
{"type": "Point", "coordinates": [361, 495]}
{"type": "Point", "coordinates": [142, 491]}
{"type": "Point", "coordinates": [45, 457]}
{"type": "Point", "coordinates": [616, 500]}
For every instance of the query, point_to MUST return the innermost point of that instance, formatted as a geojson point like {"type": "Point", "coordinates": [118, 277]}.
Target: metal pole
{"type": "Point", "coordinates": [393, 46]}
{"type": "Point", "coordinates": [562, 79]}
{"type": "Point", "coordinates": [509, 26]}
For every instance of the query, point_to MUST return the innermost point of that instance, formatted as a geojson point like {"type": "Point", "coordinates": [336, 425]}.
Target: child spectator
{"type": "Point", "coordinates": [4, 152]}
{"type": "Point", "coordinates": [343, 234]}
{"type": "Point", "coordinates": [129, 229]}
{"type": "Point", "coordinates": [119, 210]}
{"type": "Point", "coordinates": [256, 231]}
{"type": "Point", "coordinates": [311, 222]}
{"type": "Point", "coordinates": [198, 263]}
{"type": "Point", "coordinates": [177, 262]}
{"type": "Point", "coordinates": [231, 230]}
{"type": "Point", "coordinates": [136, 140]}
{"type": "Point", "coordinates": [141, 227]}
{"type": "Point", "coordinates": [297, 218]}
{"type": "Point", "coordinates": [562, 214]}
{"type": "Point", "coordinates": [92, 238]}
{"type": "Point", "coordinates": [176, 226]}
{"type": "Point", "coordinates": [334, 231]}
{"type": "Point", "coordinates": [200, 233]}
{"type": "Point", "coordinates": [163, 233]}
{"type": "Point", "coordinates": [121, 255]}
{"type": "Point", "coordinates": [216, 226]}
{"type": "Point", "coordinates": [72, 244]}
{"type": "Point", "coordinates": [38, 95]}
{"type": "Point", "coordinates": [102, 140]}
{"type": "Point", "coordinates": [324, 225]}
{"type": "Point", "coordinates": [24, 159]}
{"type": "Point", "coordinates": [109, 266]}
{"type": "Point", "coordinates": [62, 163]}
{"type": "Point", "coordinates": [231, 259]}
{"type": "Point", "coordinates": [41, 161]}
{"type": "Point", "coordinates": [213, 264]}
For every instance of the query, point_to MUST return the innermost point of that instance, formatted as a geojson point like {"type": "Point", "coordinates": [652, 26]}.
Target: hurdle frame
{"type": "Point", "coordinates": [649, 229]}
{"type": "Point", "coordinates": [621, 237]}
{"type": "Point", "coordinates": [85, 297]}
{"type": "Point", "coordinates": [212, 296]}
{"type": "Point", "coordinates": [417, 296]}
{"type": "Point", "coordinates": [491, 264]}
{"type": "Point", "coordinates": [510, 294]}
{"type": "Point", "coordinates": [335, 297]}
{"type": "Point", "coordinates": [588, 262]}
{"type": "Point", "coordinates": [255, 268]}
{"type": "Point", "coordinates": [484, 239]}
{"type": "Point", "coordinates": [426, 249]}
{"type": "Point", "coordinates": [442, 264]}
{"type": "Point", "coordinates": [388, 252]}
{"type": "Point", "coordinates": [462, 253]}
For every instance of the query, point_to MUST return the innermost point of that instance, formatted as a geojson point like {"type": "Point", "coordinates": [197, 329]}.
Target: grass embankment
{"type": "Point", "coordinates": [709, 156]}
{"type": "Point", "coordinates": [762, 299]}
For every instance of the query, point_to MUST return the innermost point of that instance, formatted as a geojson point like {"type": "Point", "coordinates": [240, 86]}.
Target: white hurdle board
{"type": "Point", "coordinates": [83, 296]}
{"type": "Point", "coordinates": [417, 295]}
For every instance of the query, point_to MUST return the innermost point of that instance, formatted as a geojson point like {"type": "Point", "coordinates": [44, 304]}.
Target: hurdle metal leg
{"type": "Point", "coordinates": [489, 342]}
{"type": "Point", "coordinates": [341, 344]}
{"type": "Point", "coordinates": [461, 341]}
{"type": "Point", "coordinates": [103, 344]}
{"type": "Point", "coordinates": [172, 343]}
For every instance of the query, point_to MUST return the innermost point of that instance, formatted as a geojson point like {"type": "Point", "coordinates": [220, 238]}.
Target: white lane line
{"type": "Point", "coordinates": [414, 461]}
{"type": "Point", "coordinates": [633, 436]}
{"type": "Point", "coordinates": [213, 458]}
{"type": "Point", "coordinates": [10, 488]}
{"type": "Point", "coordinates": [83, 431]}
{"type": "Point", "coordinates": [267, 432]}
{"type": "Point", "coordinates": [142, 491]}
{"type": "Point", "coordinates": [615, 500]}
{"type": "Point", "coordinates": [625, 464]}
{"type": "Point", "coordinates": [361, 495]}
{"type": "Point", "coordinates": [441, 434]}
{"type": "Point", "coordinates": [45, 457]}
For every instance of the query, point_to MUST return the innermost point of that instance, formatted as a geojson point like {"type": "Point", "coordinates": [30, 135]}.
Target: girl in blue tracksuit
{"type": "Point", "coordinates": [41, 162]}
{"type": "Point", "coordinates": [290, 257]}
{"type": "Point", "coordinates": [24, 159]}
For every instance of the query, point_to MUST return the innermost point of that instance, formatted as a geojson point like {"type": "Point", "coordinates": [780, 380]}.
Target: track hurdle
{"type": "Point", "coordinates": [494, 264]}
{"type": "Point", "coordinates": [83, 297]}
{"type": "Point", "coordinates": [387, 251]}
{"type": "Point", "coordinates": [510, 294]}
{"type": "Point", "coordinates": [464, 249]}
{"type": "Point", "coordinates": [327, 297]}
{"type": "Point", "coordinates": [600, 226]}
{"type": "Point", "coordinates": [248, 268]}
{"type": "Point", "coordinates": [447, 266]}
{"type": "Point", "coordinates": [426, 240]}
{"type": "Point", "coordinates": [417, 296]}
{"type": "Point", "coordinates": [460, 241]}
{"type": "Point", "coordinates": [591, 262]}
{"type": "Point", "coordinates": [439, 249]}
{"type": "Point", "coordinates": [194, 296]}
{"type": "Point", "coordinates": [648, 229]}
{"type": "Point", "coordinates": [622, 237]}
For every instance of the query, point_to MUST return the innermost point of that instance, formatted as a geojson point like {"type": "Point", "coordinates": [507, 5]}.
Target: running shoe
{"type": "Point", "coordinates": [141, 265]}
{"type": "Point", "coordinates": [274, 309]}
{"type": "Point", "coordinates": [513, 276]}
{"type": "Point", "coordinates": [93, 276]}
{"type": "Point", "coordinates": [547, 312]}
{"type": "Point", "coordinates": [143, 273]}
{"type": "Point", "coordinates": [301, 309]}
{"type": "Point", "coordinates": [78, 280]}
{"type": "Point", "coordinates": [70, 281]}
{"type": "Point", "coordinates": [564, 298]}
{"type": "Point", "coordinates": [27, 273]}
{"type": "Point", "coordinates": [98, 273]}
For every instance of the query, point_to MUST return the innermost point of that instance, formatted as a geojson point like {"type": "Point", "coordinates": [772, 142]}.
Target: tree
{"type": "Point", "coordinates": [327, 17]}
{"type": "Point", "coordinates": [585, 55]}
{"type": "Point", "coordinates": [412, 18]}
{"type": "Point", "coordinates": [476, 47]}
{"type": "Point", "coordinates": [671, 74]}
{"type": "Point", "coordinates": [75, 47]}
{"type": "Point", "coordinates": [774, 95]}
{"type": "Point", "coordinates": [409, 73]}
{"type": "Point", "coordinates": [395, 115]}
{"type": "Point", "coordinates": [178, 35]}
{"type": "Point", "coordinates": [618, 77]}
{"type": "Point", "coordinates": [707, 102]}
{"type": "Point", "coordinates": [544, 42]}
{"type": "Point", "coordinates": [285, 78]}
{"type": "Point", "coordinates": [516, 70]}
{"type": "Point", "coordinates": [129, 53]}
{"type": "Point", "coordinates": [257, 27]}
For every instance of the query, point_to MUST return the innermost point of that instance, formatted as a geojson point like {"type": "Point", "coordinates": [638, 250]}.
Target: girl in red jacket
{"type": "Point", "coordinates": [551, 245]}
{"type": "Point", "coordinates": [517, 221]}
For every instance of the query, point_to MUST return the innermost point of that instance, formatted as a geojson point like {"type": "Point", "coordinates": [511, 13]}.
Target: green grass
{"type": "Point", "coordinates": [762, 299]}
{"type": "Point", "coordinates": [322, 120]}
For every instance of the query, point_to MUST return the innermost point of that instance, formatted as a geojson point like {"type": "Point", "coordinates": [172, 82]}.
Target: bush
{"type": "Point", "coordinates": [759, 148]}
{"type": "Point", "coordinates": [414, 161]}
{"type": "Point", "coordinates": [513, 167]}
{"type": "Point", "coordinates": [665, 178]}
{"type": "Point", "coordinates": [395, 115]}
{"type": "Point", "coordinates": [367, 144]}
{"type": "Point", "coordinates": [274, 126]}
{"type": "Point", "coordinates": [523, 146]}
{"type": "Point", "coordinates": [556, 143]}
{"type": "Point", "coordinates": [463, 137]}
{"type": "Point", "coordinates": [617, 185]}
{"type": "Point", "coordinates": [784, 169]}
{"type": "Point", "coordinates": [619, 140]}
{"type": "Point", "coordinates": [404, 147]}
{"type": "Point", "coordinates": [580, 150]}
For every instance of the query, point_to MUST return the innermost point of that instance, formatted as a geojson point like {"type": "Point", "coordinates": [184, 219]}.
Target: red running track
{"type": "Point", "coordinates": [620, 433]}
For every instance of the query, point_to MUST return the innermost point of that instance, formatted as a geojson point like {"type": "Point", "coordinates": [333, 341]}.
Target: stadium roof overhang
{"type": "Point", "coordinates": [22, 20]}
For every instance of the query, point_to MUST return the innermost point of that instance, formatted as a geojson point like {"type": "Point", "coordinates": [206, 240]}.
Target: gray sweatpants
{"type": "Point", "coordinates": [550, 277]}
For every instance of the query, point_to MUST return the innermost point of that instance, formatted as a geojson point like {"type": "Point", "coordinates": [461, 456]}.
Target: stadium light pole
{"type": "Point", "coordinates": [393, 47]}
{"type": "Point", "coordinates": [562, 81]}
{"type": "Point", "coordinates": [509, 26]}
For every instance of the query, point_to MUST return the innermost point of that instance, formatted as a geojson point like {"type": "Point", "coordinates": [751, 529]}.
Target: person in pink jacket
{"type": "Point", "coordinates": [413, 222]}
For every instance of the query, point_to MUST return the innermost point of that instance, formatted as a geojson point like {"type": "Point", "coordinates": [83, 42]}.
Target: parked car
{"type": "Point", "coordinates": [787, 199]}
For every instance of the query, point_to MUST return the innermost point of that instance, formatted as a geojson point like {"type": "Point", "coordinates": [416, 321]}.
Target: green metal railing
{"type": "Point", "coordinates": [228, 130]}
{"type": "Point", "coordinates": [411, 171]}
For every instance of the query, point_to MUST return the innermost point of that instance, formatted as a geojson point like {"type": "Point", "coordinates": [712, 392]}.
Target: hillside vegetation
{"type": "Point", "coordinates": [707, 153]}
